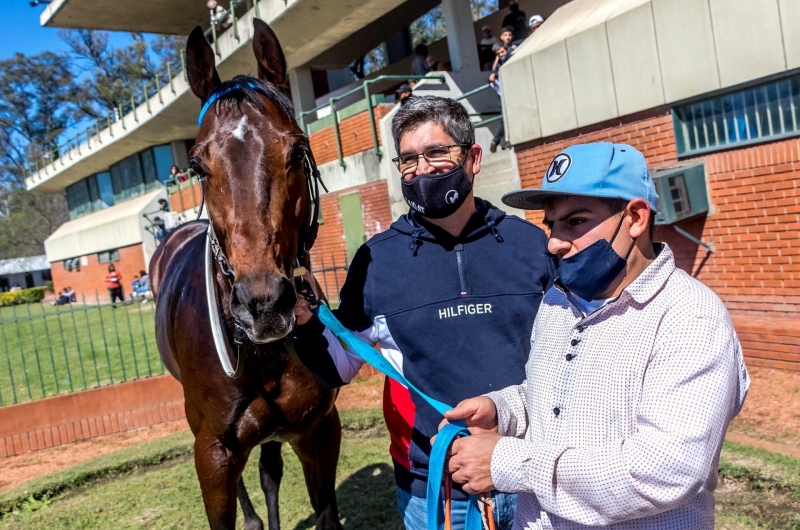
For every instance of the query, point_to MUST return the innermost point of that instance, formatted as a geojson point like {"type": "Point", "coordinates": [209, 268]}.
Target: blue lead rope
{"type": "Point", "coordinates": [443, 440]}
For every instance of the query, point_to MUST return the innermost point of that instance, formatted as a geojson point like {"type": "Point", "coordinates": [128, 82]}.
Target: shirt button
{"type": "Point", "coordinates": [556, 411]}
{"type": "Point", "coordinates": [580, 329]}
{"type": "Point", "coordinates": [574, 342]}
{"type": "Point", "coordinates": [570, 356]}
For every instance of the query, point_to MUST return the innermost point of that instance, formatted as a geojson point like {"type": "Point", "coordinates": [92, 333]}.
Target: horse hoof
{"type": "Point", "coordinates": [254, 525]}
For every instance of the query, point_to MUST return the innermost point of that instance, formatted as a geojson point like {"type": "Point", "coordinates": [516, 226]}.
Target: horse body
{"type": "Point", "coordinates": [257, 209]}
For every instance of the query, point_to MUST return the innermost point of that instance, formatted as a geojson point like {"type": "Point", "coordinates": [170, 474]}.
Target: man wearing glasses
{"type": "Point", "coordinates": [449, 293]}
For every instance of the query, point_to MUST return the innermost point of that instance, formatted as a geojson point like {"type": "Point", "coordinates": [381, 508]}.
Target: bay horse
{"type": "Point", "coordinates": [255, 169]}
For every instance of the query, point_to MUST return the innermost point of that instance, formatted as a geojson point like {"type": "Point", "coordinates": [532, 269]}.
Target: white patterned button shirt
{"type": "Point", "coordinates": [621, 418]}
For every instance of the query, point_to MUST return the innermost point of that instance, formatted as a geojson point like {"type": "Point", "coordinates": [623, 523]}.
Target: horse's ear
{"type": "Point", "coordinates": [200, 67]}
{"type": "Point", "coordinates": [269, 55]}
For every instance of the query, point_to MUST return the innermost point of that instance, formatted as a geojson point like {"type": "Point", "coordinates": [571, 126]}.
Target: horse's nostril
{"type": "Point", "coordinates": [276, 296]}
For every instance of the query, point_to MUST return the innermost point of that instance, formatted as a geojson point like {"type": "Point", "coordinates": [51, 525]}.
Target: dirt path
{"type": "Point", "coordinates": [770, 419]}
{"type": "Point", "coordinates": [363, 393]}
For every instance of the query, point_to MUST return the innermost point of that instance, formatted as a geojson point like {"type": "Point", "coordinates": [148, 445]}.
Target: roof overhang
{"type": "Point", "coordinates": [177, 17]}
{"type": "Point", "coordinates": [120, 226]}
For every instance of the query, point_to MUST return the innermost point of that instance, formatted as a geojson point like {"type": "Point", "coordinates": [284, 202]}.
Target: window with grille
{"type": "Point", "coordinates": [108, 256]}
{"type": "Point", "coordinates": [754, 115]}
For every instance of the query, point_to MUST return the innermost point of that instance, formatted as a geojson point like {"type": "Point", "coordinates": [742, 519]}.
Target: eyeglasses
{"type": "Point", "coordinates": [437, 156]}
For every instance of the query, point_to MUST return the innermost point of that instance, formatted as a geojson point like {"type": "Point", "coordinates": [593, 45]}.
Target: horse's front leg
{"type": "Point", "coordinates": [219, 471]}
{"type": "Point", "coordinates": [319, 454]}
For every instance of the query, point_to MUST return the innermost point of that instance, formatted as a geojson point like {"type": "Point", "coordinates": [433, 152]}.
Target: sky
{"type": "Point", "coordinates": [22, 32]}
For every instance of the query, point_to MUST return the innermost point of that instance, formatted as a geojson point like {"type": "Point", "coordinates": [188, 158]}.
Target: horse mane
{"type": "Point", "coordinates": [243, 87]}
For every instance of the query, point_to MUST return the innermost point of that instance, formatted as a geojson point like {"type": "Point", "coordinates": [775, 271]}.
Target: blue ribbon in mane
{"type": "Point", "coordinates": [443, 440]}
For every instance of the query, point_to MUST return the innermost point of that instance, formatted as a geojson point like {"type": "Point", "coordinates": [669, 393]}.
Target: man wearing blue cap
{"type": "Point", "coordinates": [634, 374]}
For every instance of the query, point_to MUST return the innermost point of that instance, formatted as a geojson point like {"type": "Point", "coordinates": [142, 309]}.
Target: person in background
{"type": "Point", "coordinates": [143, 292]}
{"type": "Point", "coordinates": [62, 298]}
{"type": "Point", "coordinates": [501, 57]}
{"type": "Point", "coordinates": [485, 45]}
{"type": "Point", "coordinates": [419, 66]}
{"type": "Point", "coordinates": [134, 287]}
{"type": "Point", "coordinates": [404, 94]}
{"type": "Point", "coordinates": [163, 205]}
{"type": "Point", "coordinates": [114, 284]}
{"type": "Point", "coordinates": [219, 16]}
{"type": "Point", "coordinates": [634, 373]}
{"type": "Point", "coordinates": [534, 22]}
{"type": "Point", "coordinates": [176, 175]}
{"type": "Point", "coordinates": [517, 20]}
{"type": "Point", "coordinates": [70, 294]}
{"type": "Point", "coordinates": [507, 38]}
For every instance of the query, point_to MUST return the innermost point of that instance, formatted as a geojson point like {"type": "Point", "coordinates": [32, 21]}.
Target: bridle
{"type": "Point", "coordinates": [215, 253]}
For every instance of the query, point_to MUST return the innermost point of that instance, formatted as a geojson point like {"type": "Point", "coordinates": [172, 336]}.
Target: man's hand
{"type": "Point", "coordinates": [301, 311]}
{"type": "Point", "coordinates": [479, 412]}
{"type": "Point", "coordinates": [471, 461]}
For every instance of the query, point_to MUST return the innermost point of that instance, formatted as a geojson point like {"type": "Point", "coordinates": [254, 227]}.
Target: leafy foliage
{"type": "Point", "coordinates": [115, 76]}
{"type": "Point", "coordinates": [34, 295]}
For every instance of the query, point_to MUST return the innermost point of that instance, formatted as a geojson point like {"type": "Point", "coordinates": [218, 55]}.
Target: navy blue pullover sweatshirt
{"type": "Point", "coordinates": [453, 314]}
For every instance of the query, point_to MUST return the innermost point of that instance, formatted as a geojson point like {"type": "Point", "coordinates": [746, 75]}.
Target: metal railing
{"type": "Point", "coordinates": [51, 350]}
{"type": "Point", "coordinates": [495, 115]}
{"type": "Point", "coordinates": [91, 136]}
{"type": "Point", "coordinates": [365, 88]}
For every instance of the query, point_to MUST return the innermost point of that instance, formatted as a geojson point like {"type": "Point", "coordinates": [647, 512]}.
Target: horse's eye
{"type": "Point", "coordinates": [197, 167]}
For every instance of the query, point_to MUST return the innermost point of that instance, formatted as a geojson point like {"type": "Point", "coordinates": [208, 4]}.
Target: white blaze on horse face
{"type": "Point", "coordinates": [239, 131]}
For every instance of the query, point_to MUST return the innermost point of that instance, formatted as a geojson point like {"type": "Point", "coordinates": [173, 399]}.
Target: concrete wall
{"type": "Point", "coordinates": [118, 226]}
{"type": "Point", "coordinates": [755, 216]}
{"type": "Point", "coordinates": [595, 60]}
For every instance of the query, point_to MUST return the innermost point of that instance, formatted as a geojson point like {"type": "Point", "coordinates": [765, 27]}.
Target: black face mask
{"type": "Point", "coordinates": [437, 196]}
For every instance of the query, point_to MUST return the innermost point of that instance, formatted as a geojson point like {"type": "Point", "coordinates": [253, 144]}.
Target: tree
{"type": "Point", "coordinates": [114, 76]}
{"type": "Point", "coordinates": [37, 103]}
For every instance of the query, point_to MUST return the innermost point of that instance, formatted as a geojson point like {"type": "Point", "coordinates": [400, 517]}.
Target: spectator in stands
{"type": "Point", "coordinates": [219, 16]}
{"type": "Point", "coordinates": [419, 66]}
{"type": "Point", "coordinates": [404, 94]}
{"type": "Point", "coordinates": [507, 38]}
{"type": "Point", "coordinates": [517, 20]}
{"type": "Point", "coordinates": [114, 284]}
{"type": "Point", "coordinates": [501, 56]}
{"type": "Point", "coordinates": [485, 46]}
{"type": "Point", "coordinates": [534, 22]}
{"type": "Point", "coordinates": [176, 175]}
{"type": "Point", "coordinates": [163, 205]}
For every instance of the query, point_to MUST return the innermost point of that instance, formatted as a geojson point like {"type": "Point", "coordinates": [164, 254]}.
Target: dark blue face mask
{"type": "Point", "coordinates": [590, 271]}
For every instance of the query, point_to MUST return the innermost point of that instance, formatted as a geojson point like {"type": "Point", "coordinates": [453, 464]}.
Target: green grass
{"type": "Point", "coordinates": [154, 485]}
{"type": "Point", "coordinates": [758, 489]}
{"type": "Point", "coordinates": [148, 495]}
{"type": "Point", "coordinates": [50, 350]}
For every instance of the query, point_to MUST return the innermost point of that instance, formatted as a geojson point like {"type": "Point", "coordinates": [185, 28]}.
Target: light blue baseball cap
{"type": "Point", "coordinates": [605, 170]}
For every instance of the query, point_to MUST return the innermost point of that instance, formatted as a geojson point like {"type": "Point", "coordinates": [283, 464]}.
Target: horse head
{"type": "Point", "coordinates": [253, 162]}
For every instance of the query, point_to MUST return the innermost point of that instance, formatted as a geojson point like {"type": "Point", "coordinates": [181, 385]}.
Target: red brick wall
{"type": "Point", "coordinates": [97, 412]}
{"type": "Point", "coordinates": [355, 134]}
{"type": "Point", "coordinates": [92, 277]}
{"type": "Point", "coordinates": [330, 244]}
{"type": "Point", "coordinates": [754, 223]}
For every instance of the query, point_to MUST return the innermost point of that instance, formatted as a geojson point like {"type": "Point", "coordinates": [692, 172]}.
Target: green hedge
{"type": "Point", "coordinates": [34, 295]}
